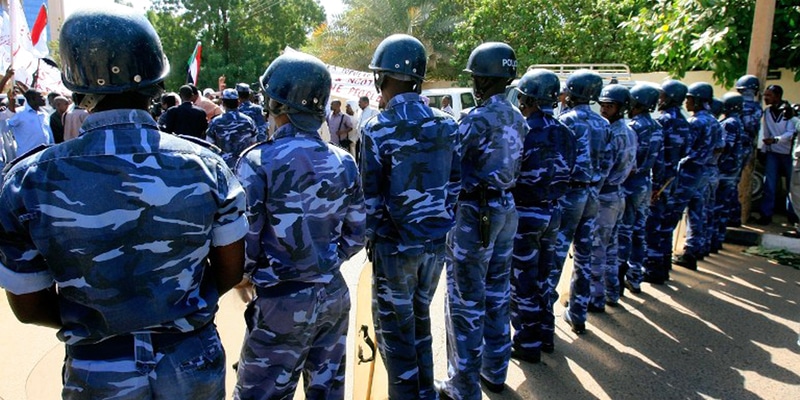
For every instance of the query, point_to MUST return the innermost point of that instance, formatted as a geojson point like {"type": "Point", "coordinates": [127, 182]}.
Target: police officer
{"type": "Point", "coordinates": [730, 167]}
{"type": "Point", "coordinates": [254, 111]}
{"type": "Point", "coordinates": [480, 247]}
{"type": "Point", "coordinates": [748, 86]}
{"type": "Point", "coordinates": [233, 131]}
{"type": "Point", "coordinates": [675, 130]}
{"type": "Point", "coordinates": [411, 171]}
{"type": "Point", "coordinates": [638, 186]}
{"type": "Point", "coordinates": [605, 285]}
{"type": "Point", "coordinates": [696, 171]}
{"type": "Point", "coordinates": [579, 205]}
{"type": "Point", "coordinates": [306, 209]}
{"type": "Point", "coordinates": [129, 249]}
{"type": "Point", "coordinates": [547, 161]}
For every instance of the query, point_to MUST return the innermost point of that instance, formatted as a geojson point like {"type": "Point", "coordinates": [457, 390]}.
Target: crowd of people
{"type": "Point", "coordinates": [124, 234]}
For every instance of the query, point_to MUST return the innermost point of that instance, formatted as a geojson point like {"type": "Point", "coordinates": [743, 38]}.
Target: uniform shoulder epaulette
{"type": "Point", "coordinates": [201, 142]}
{"type": "Point", "coordinates": [23, 156]}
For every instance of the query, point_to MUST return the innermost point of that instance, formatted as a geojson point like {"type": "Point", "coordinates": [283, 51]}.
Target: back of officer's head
{"type": "Point", "coordinates": [399, 61]}
{"type": "Point", "coordinates": [112, 58]}
{"type": "Point", "coordinates": [297, 85]}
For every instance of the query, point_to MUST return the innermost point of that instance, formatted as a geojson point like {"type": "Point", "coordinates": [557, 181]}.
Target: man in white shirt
{"type": "Point", "coordinates": [447, 107]}
{"type": "Point", "coordinates": [366, 113]}
{"type": "Point", "coordinates": [31, 126]}
{"type": "Point", "coordinates": [778, 132]}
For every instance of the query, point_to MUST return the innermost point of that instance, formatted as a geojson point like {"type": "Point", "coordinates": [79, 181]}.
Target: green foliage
{"type": "Point", "coordinates": [546, 31]}
{"type": "Point", "coordinates": [715, 35]}
{"type": "Point", "coordinates": [352, 38]}
{"type": "Point", "coordinates": [239, 37]}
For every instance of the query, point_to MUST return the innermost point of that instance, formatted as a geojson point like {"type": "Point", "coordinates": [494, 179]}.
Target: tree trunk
{"type": "Point", "coordinates": [757, 64]}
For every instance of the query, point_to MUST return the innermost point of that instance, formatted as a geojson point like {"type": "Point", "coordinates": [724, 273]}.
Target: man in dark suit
{"type": "Point", "coordinates": [186, 119]}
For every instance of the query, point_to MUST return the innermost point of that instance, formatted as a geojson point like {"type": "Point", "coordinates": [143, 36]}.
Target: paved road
{"type": "Point", "coordinates": [726, 331]}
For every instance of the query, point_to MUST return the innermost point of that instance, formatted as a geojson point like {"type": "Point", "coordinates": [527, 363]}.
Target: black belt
{"type": "Point", "coordinates": [475, 195]}
{"type": "Point", "coordinates": [609, 189]}
{"type": "Point", "coordinates": [122, 346]}
{"type": "Point", "coordinates": [523, 202]}
{"type": "Point", "coordinates": [283, 288]}
{"type": "Point", "coordinates": [576, 185]}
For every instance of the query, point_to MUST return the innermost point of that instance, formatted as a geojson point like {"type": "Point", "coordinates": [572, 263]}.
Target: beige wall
{"type": "Point", "coordinates": [791, 89]}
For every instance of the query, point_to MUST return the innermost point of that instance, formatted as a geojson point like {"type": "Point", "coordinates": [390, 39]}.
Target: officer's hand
{"type": "Point", "coordinates": [10, 71]}
{"type": "Point", "coordinates": [245, 290]}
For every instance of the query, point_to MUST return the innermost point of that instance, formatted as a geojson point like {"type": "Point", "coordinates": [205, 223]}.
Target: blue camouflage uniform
{"type": "Point", "coordinates": [578, 224]}
{"type": "Point", "coordinates": [256, 113]}
{"type": "Point", "coordinates": [480, 248]}
{"type": "Point", "coordinates": [571, 205]}
{"type": "Point", "coordinates": [411, 171]}
{"type": "Point", "coordinates": [711, 193]}
{"type": "Point", "coordinates": [547, 161]}
{"type": "Point", "coordinates": [232, 132]}
{"type": "Point", "coordinates": [611, 203]}
{"type": "Point", "coordinates": [693, 179]}
{"type": "Point", "coordinates": [675, 129]}
{"type": "Point", "coordinates": [638, 188]}
{"type": "Point", "coordinates": [730, 166]}
{"type": "Point", "coordinates": [751, 115]}
{"type": "Point", "coordinates": [121, 220]}
{"type": "Point", "coordinates": [306, 211]}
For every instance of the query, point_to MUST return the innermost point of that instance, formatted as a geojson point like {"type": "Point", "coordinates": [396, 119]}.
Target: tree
{"type": "Point", "coordinates": [352, 38]}
{"type": "Point", "coordinates": [715, 35]}
{"type": "Point", "coordinates": [240, 37]}
{"type": "Point", "coordinates": [547, 32]}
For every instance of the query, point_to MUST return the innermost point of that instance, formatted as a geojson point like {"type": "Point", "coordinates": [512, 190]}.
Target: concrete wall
{"type": "Point", "coordinates": [791, 89]}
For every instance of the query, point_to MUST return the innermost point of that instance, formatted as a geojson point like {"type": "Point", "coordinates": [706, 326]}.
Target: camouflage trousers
{"type": "Point", "coordinates": [605, 278]}
{"type": "Point", "coordinates": [711, 204]}
{"type": "Point", "coordinates": [478, 295]}
{"type": "Point", "coordinates": [727, 195]}
{"type": "Point", "coordinates": [534, 252]}
{"type": "Point", "coordinates": [294, 328]}
{"type": "Point", "coordinates": [580, 285]}
{"type": "Point", "coordinates": [658, 235]}
{"type": "Point", "coordinates": [572, 205]}
{"type": "Point", "coordinates": [403, 287]}
{"type": "Point", "coordinates": [690, 193]}
{"type": "Point", "coordinates": [193, 368]}
{"type": "Point", "coordinates": [631, 236]}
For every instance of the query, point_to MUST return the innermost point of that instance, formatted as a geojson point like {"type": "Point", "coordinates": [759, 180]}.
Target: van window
{"type": "Point", "coordinates": [435, 101]}
{"type": "Point", "coordinates": [467, 100]}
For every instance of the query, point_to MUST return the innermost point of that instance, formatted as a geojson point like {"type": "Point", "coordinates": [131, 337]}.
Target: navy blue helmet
{"type": "Point", "coordinates": [645, 96]}
{"type": "Point", "coordinates": [584, 85]}
{"type": "Point", "coordinates": [701, 90]}
{"type": "Point", "coordinates": [616, 93]}
{"type": "Point", "coordinates": [541, 85]}
{"type": "Point", "coordinates": [110, 49]}
{"type": "Point", "coordinates": [493, 59]}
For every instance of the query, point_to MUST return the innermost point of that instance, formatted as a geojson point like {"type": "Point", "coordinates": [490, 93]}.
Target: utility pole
{"type": "Point", "coordinates": [757, 64]}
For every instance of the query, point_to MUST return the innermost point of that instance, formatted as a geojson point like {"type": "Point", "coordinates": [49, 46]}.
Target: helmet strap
{"type": "Point", "coordinates": [90, 101]}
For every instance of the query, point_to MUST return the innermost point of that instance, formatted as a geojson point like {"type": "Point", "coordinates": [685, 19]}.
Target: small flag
{"type": "Point", "coordinates": [194, 64]}
{"type": "Point", "coordinates": [39, 34]}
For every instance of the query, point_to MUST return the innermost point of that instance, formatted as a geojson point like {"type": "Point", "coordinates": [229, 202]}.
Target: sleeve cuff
{"type": "Point", "coordinates": [23, 283]}
{"type": "Point", "coordinates": [226, 234]}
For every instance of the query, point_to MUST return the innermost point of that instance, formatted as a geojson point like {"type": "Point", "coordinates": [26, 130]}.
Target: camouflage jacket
{"type": "Point", "coordinates": [675, 130]}
{"type": "Point", "coordinates": [705, 136]}
{"type": "Point", "coordinates": [491, 145]}
{"type": "Point", "coordinates": [305, 206]}
{"type": "Point", "coordinates": [732, 158]}
{"type": "Point", "coordinates": [121, 220]}
{"type": "Point", "coordinates": [593, 133]}
{"type": "Point", "coordinates": [650, 140]}
{"type": "Point", "coordinates": [751, 121]}
{"type": "Point", "coordinates": [256, 113]}
{"type": "Point", "coordinates": [412, 173]}
{"type": "Point", "coordinates": [232, 132]}
{"type": "Point", "coordinates": [623, 151]}
{"type": "Point", "coordinates": [548, 157]}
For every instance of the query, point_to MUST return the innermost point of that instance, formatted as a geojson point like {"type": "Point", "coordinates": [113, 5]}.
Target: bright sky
{"type": "Point", "coordinates": [331, 6]}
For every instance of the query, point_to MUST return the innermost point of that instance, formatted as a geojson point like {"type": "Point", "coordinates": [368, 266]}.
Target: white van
{"type": "Point", "coordinates": [462, 99]}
